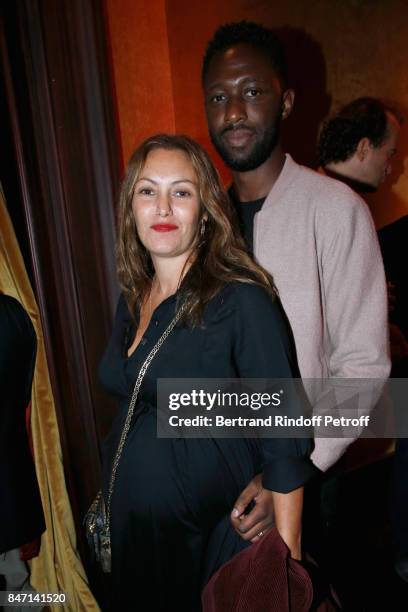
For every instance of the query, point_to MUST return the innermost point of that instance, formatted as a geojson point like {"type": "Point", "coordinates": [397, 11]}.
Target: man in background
{"type": "Point", "coordinates": [21, 514]}
{"type": "Point", "coordinates": [358, 143]}
{"type": "Point", "coordinates": [356, 146]}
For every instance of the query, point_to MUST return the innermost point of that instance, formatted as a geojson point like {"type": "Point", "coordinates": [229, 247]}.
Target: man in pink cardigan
{"type": "Point", "coordinates": [314, 234]}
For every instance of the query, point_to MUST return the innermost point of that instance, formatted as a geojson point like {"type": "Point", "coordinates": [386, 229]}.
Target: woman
{"type": "Point", "coordinates": [178, 245]}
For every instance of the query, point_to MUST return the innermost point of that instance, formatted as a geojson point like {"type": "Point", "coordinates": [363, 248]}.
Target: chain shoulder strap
{"type": "Point", "coordinates": [132, 404]}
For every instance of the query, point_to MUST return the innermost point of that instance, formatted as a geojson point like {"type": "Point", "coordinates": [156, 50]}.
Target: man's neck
{"type": "Point", "coordinates": [256, 184]}
{"type": "Point", "coordinates": [345, 174]}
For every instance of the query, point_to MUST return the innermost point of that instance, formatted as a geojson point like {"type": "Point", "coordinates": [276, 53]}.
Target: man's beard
{"type": "Point", "coordinates": [262, 149]}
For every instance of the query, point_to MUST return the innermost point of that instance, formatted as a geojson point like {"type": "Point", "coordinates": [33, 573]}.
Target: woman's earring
{"type": "Point", "coordinates": [202, 227]}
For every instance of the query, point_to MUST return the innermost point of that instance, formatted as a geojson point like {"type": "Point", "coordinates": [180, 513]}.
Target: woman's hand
{"type": "Point", "coordinates": [255, 524]}
{"type": "Point", "coordinates": [270, 508]}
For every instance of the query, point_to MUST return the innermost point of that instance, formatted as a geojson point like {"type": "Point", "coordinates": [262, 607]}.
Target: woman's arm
{"type": "Point", "coordinates": [288, 519]}
{"type": "Point", "coordinates": [263, 350]}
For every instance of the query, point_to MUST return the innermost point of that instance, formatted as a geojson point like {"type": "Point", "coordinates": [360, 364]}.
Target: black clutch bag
{"type": "Point", "coordinates": [98, 533]}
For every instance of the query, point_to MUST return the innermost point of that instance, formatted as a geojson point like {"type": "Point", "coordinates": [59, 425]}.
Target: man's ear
{"type": "Point", "coordinates": [362, 149]}
{"type": "Point", "coordinates": [288, 99]}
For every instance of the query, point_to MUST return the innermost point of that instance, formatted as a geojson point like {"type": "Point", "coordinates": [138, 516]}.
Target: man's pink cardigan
{"type": "Point", "coordinates": [317, 238]}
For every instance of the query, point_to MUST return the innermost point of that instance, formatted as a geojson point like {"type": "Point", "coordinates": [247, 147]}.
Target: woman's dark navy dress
{"type": "Point", "coordinates": [172, 499]}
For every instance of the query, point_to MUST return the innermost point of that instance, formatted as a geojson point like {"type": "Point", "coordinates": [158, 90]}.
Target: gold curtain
{"type": "Point", "coordinates": [58, 567]}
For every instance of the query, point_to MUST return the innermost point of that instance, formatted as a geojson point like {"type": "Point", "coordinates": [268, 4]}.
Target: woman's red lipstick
{"type": "Point", "coordinates": [164, 227]}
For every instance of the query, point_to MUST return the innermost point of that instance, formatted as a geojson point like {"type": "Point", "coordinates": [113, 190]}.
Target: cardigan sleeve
{"type": "Point", "coordinates": [262, 349]}
{"type": "Point", "coordinates": [355, 295]}
{"type": "Point", "coordinates": [355, 300]}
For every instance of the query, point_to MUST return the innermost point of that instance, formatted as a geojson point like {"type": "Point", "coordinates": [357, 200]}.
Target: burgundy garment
{"type": "Point", "coordinates": [264, 578]}
{"type": "Point", "coordinates": [261, 578]}
{"type": "Point", "coordinates": [30, 550]}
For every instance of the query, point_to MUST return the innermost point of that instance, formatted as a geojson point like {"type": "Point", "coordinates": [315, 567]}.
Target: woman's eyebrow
{"type": "Point", "coordinates": [146, 178]}
{"type": "Point", "coordinates": [182, 180]}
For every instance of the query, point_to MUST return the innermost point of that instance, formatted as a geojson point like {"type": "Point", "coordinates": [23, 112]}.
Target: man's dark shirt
{"type": "Point", "coordinates": [246, 212]}
{"type": "Point", "coordinates": [354, 184]}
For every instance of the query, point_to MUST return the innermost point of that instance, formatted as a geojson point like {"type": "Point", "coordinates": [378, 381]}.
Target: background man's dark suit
{"type": "Point", "coordinates": [21, 515]}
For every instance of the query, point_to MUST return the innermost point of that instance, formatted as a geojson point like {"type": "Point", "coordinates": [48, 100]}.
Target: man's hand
{"type": "Point", "coordinates": [254, 525]}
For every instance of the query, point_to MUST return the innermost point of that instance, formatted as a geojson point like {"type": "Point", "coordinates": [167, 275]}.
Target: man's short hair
{"type": "Point", "coordinates": [362, 118]}
{"type": "Point", "coordinates": [248, 32]}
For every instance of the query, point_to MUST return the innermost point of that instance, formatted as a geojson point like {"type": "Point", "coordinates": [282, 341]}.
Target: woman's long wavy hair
{"type": "Point", "coordinates": [219, 254]}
